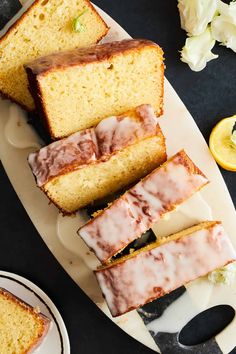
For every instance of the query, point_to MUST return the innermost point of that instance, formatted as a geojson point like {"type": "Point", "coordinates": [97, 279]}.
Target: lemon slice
{"type": "Point", "coordinates": [222, 143]}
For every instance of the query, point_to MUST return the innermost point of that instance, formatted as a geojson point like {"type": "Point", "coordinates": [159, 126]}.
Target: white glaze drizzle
{"type": "Point", "coordinates": [92, 145]}
{"type": "Point", "coordinates": [140, 207]}
{"type": "Point", "coordinates": [182, 310]}
{"type": "Point", "coordinates": [66, 231]}
{"type": "Point", "coordinates": [18, 132]}
{"type": "Point", "coordinates": [183, 216]}
{"type": "Point", "coordinates": [153, 273]}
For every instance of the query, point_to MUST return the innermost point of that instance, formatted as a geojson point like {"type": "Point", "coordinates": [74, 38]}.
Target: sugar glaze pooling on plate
{"type": "Point", "coordinates": [18, 132]}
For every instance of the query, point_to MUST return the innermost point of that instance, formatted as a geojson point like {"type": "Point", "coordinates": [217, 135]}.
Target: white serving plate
{"type": "Point", "coordinates": [57, 340]}
{"type": "Point", "coordinates": [17, 140]}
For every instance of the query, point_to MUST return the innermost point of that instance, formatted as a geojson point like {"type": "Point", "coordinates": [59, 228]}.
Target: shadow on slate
{"type": "Point", "coordinates": [36, 122]}
{"type": "Point", "coordinates": [8, 8]}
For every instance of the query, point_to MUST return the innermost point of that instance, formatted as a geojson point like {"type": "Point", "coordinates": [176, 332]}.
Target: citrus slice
{"type": "Point", "coordinates": [222, 143]}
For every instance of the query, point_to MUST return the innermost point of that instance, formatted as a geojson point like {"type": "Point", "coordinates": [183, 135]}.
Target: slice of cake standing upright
{"type": "Point", "coordinates": [74, 90]}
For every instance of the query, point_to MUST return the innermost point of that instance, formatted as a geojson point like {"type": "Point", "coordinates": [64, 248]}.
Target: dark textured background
{"type": "Point", "coordinates": [209, 96]}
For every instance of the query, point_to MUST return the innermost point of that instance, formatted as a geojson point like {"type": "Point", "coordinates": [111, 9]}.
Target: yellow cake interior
{"type": "Point", "coordinates": [19, 327]}
{"type": "Point", "coordinates": [77, 189]}
{"type": "Point", "coordinates": [46, 28]}
{"type": "Point", "coordinates": [101, 89]}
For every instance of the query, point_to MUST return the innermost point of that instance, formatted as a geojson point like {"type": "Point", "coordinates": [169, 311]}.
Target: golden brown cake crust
{"type": "Point", "coordinates": [34, 4]}
{"type": "Point", "coordinates": [44, 320]}
{"type": "Point", "coordinates": [18, 22]}
{"type": "Point", "coordinates": [81, 56]}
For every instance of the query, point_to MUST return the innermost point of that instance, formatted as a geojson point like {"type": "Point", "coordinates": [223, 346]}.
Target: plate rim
{"type": "Point", "coordinates": [45, 299]}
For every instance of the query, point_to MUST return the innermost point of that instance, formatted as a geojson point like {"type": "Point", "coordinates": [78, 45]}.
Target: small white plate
{"type": "Point", "coordinates": [57, 340]}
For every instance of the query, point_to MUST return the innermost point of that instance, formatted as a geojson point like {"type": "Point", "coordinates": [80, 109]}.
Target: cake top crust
{"type": "Point", "coordinates": [86, 55]}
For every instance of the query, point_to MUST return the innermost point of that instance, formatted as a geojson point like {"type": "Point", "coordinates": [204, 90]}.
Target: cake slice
{"type": "Point", "coordinates": [46, 27]}
{"type": "Point", "coordinates": [163, 266]}
{"type": "Point", "coordinates": [95, 162]}
{"type": "Point", "coordinates": [74, 90]}
{"type": "Point", "coordinates": [22, 327]}
{"type": "Point", "coordinates": [143, 205]}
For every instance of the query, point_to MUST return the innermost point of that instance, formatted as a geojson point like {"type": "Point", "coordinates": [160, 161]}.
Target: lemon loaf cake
{"type": "Point", "coordinates": [46, 27]}
{"type": "Point", "coordinates": [74, 90]}
{"type": "Point", "coordinates": [144, 204]}
{"type": "Point", "coordinates": [95, 162]}
{"type": "Point", "coordinates": [163, 266]}
{"type": "Point", "coordinates": [22, 327]}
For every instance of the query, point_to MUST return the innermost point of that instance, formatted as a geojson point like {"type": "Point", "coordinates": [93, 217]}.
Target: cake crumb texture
{"type": "Point", "coordinates": [76, 89]}
{"type": "Point", "coordinates": [76, 189]}
{"type": "Point", "coordinates": [46, 27]}
{"type": "Point", "coordinates": [21, 327]}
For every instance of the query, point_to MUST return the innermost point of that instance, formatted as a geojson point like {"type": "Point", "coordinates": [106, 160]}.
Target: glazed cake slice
{"type": "Point", "coordinates": [96, 162]}
{"type": "Point", "coordinates": [22, 327]}
{"type": "Point", "coordinates": [163, 266]}
{"type": "Point", "coordinates": [74, 90]}
{"type": "Point", "coordinates": [46, 27]}
{"type": "Point", "coordinates": [143, 205]}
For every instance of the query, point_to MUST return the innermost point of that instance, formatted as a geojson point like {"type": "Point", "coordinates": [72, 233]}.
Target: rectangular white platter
{"type": "Point", "coordinates": [17, 140]}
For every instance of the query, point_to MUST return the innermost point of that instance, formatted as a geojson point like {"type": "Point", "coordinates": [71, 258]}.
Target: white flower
{"type": "Point", "coordinates": [197, 50]}
{"type": "Point", "coordinates": [223, 27]}
{"type": "Point", "coordinates": [196, 14]}
{"type": "Point", "coordinates": [224, 275]}
{"type": "Point", "coordinates": [228, 10]}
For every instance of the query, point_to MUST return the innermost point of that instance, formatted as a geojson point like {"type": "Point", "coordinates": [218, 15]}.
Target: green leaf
{"type": "Point", "coordinates": [77, 26]}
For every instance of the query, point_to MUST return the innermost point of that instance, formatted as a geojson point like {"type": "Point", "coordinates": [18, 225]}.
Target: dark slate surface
{"type": "Point", "coordinates": [209, 96]}
{"type": "Point", "coordinates": [7, 10]}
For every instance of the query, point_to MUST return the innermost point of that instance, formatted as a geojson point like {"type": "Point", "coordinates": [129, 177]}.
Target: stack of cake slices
{"type": "Point", "coordinates": [155, 270]}
{"type": "Point", "coordinates": [101, 103]}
